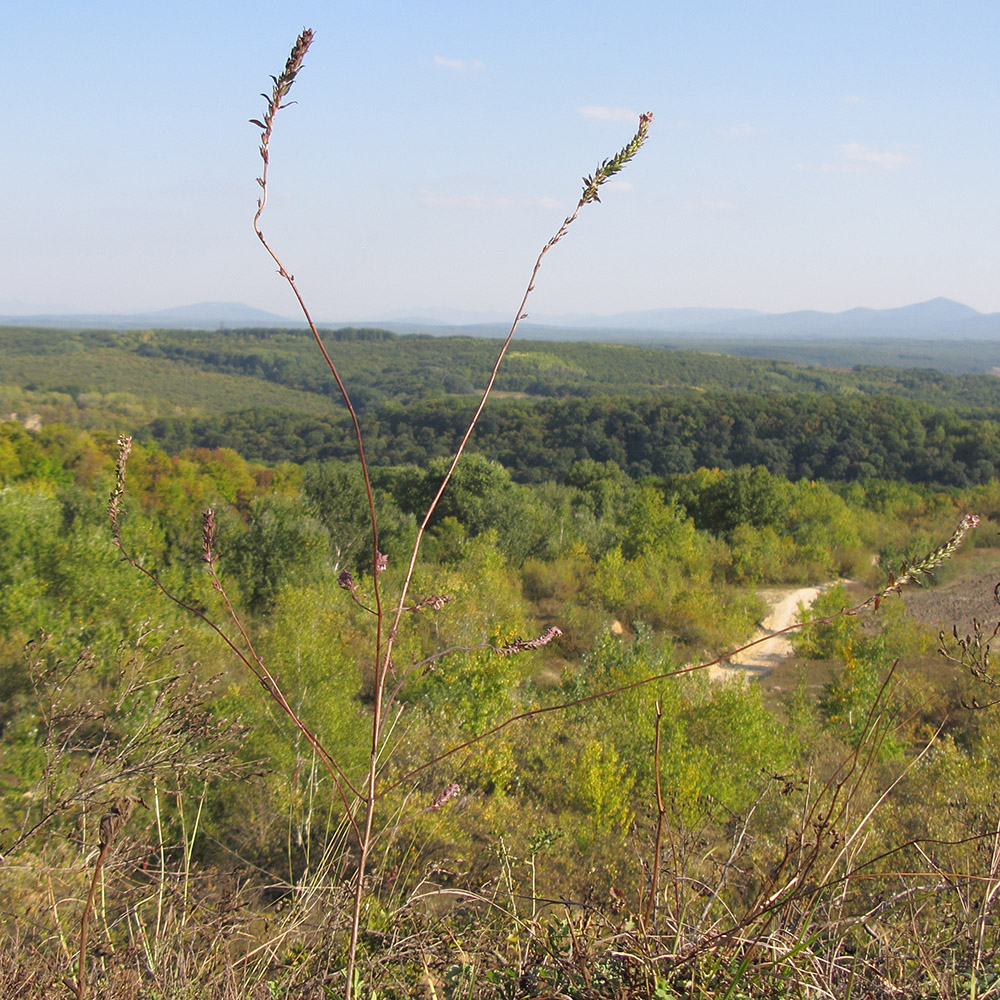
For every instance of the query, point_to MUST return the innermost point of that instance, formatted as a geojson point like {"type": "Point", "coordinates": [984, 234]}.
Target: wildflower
{"type": "Point", "coordinates": [615, 164]}
{"type": "Point", "coordinates": [118, 491]}
{"type": "Point", "coordinates": [520, 645]}
{"type": "Point", "coordinates": [446, 796]}
{"type": "Point", "coordinates": [912, 572]}
{"type": "Point", "coordinates": [208, 535]}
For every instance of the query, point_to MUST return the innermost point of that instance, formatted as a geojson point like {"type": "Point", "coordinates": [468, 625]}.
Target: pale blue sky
{"type": "Point", "coordinates": [804, 155]}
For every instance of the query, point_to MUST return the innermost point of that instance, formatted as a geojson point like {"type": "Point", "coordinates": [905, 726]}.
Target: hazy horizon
{"type": "Point", "coordinates": [447, 315]}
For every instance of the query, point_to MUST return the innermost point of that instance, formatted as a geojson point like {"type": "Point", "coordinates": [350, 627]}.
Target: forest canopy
{"type": "Point", "coordinates": [651, 411]}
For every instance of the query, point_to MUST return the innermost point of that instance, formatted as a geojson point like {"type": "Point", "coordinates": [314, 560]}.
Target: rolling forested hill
{"type": "Point", "coordinates": [650, 410]}
{"type": "Point", "coordinates": [383, 366]}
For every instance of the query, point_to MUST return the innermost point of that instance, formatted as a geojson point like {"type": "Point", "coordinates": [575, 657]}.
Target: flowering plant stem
{"type": "Point", "coordinates": [385, 639]}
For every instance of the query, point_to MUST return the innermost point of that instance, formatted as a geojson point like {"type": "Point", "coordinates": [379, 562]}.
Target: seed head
{"type": "Point", "coordinates": [615, 164]}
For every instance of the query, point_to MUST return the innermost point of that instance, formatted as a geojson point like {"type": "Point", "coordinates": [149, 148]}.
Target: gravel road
{"type": "Point", "coordinates": [763, 657]}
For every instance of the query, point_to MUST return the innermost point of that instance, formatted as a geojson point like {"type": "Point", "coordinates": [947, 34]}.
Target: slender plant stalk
{"type": "Point", "coordinates": [591, 185]}
{"type": "Point", "coordinates": [110, 827]}
{"type": "Point", "coordinates": [275, 102]}
{"type": "Point", "coordinates": [383, 651]}
{"type": "Point", "coordinates": [661, 811]}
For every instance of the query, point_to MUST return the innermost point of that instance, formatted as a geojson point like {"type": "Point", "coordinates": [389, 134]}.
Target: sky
{"type": "Point", "coordinates": [804, 155]}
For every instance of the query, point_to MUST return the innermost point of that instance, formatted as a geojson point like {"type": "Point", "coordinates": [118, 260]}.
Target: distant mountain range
{"type": "Point", "coordinates": [935, 319]}
{"type": "Point", "coordinates": [200, 316]}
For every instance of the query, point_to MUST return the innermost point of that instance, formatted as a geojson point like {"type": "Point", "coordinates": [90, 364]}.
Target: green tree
{"type": "Point", "coordinates": [282, 543]}
{"type": "Point", "coordinates": [742, 496]}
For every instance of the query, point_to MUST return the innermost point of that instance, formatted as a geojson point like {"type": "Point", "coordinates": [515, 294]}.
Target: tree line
{"type": "Point", "coordinates": [840, 438]}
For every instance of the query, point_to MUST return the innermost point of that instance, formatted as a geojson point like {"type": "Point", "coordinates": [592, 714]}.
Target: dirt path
{"type": "Point", "coordinates": [761, 659]}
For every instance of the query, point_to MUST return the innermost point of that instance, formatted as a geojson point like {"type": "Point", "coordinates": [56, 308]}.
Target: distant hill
{"type": "Point", "coordinates": [935, 319]}
{"type": "Point", "coordinates": [200, 316]}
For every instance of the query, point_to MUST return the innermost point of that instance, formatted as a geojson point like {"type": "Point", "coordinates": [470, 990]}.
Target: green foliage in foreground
{"type": "Point", "coordinates": [779, 830]}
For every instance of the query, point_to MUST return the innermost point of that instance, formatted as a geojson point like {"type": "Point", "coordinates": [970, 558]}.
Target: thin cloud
{"type": "Point", "coordinates": [484, 202]}
{"type": "Point", "coordinates": [605, 114]}
{"type": "Point", "coordinates": [746, 129]}
{"type": "Point", "coordinates": [853, 99]}
{"type": "Point", "coordinates": [461, 65]}
{"type": "Point", "coordinates": [858, 159]}
{"type": "Point", "coordinates": [709, 207]}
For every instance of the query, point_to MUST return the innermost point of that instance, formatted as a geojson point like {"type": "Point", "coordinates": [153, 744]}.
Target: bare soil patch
{"type": "Point", "coordinates": [768, 655]}
{"type": "Point", "coordinates": [970, 595]}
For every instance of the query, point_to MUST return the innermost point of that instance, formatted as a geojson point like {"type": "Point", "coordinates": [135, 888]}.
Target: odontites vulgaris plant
{"type": "Point", "coordinates": [387, 623]}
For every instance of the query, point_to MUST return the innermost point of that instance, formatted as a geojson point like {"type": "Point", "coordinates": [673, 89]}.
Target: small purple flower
{"type": "Point", "coordinates": [446, 796]}
{"type": "Point", "coordinates": [520, 645]}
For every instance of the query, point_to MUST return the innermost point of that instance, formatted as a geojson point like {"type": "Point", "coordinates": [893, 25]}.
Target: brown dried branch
{"type": "Point", "coordinates": [112, 823]}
